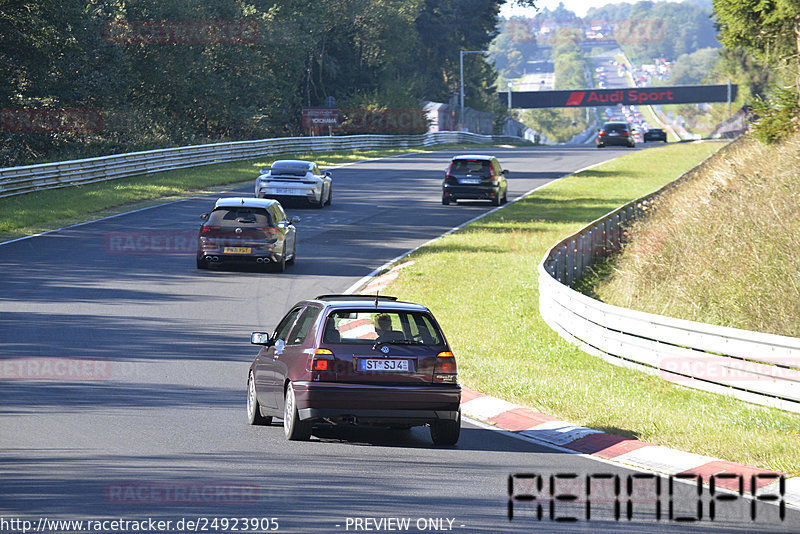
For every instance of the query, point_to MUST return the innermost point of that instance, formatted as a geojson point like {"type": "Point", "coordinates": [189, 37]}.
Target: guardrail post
{"type": "Point", "coordinates": [570, 262]}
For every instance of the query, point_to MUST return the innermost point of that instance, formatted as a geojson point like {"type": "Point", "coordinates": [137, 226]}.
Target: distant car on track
{"type": "Point", "coordinates": [615, 133]}
{"type": "Point", "coordinates": [247, 230]}
{"type": "Point", "coordinates": [475, 177]}
{"type": "Point", "coordinates": [355, 360]}
{"type": "Point", "coordinates": [655, 134]}
{"type": "Point", "coordinates": [293, 179]}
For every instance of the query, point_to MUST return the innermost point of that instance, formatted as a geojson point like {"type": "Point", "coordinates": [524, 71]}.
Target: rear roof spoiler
{"type": "Point", "coordinates": [355, 297]}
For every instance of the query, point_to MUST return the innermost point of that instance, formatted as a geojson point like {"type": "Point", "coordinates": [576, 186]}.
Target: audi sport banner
{"type": "Point", "coordinates": [629, 96]}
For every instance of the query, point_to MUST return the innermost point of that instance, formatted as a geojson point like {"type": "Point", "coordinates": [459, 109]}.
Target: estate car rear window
{"type": "Point", "coordinates": [470, 166]}
{"type": "Point", "coordinates": [369, 327]}
{"type": "Point", "coordinates": [238, 216]}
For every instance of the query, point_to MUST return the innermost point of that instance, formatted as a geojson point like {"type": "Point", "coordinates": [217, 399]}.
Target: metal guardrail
{"type": "Point", "coordinates": [25, 179]}
{"type": "Point", "coordinates": [752, 366]}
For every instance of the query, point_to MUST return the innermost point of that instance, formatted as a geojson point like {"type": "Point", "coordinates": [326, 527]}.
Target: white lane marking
{"type": "Point", "coordinates": [363, 281]}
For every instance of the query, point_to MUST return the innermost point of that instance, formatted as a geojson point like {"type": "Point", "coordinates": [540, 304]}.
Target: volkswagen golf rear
{"type": "Point", "coordinates": [356, 360]}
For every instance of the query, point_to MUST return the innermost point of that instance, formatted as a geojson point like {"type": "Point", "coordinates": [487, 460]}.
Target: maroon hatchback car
{"type": "Point", "coordinates": [355, 360]}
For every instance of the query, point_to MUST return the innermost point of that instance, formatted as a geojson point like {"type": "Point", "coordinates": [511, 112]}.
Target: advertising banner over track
{"type": "Point", "coordinates": [628, 96]}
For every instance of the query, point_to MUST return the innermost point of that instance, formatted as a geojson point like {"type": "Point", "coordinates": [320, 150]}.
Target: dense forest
{"type": "Point", "coordinates": [91, 77]}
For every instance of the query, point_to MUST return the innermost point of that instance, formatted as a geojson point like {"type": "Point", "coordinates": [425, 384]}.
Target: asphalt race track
{"type": "Point", "coordinates": [145, 417]}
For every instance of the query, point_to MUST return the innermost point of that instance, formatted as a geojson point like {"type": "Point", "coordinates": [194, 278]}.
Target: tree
{"type": "Point", "coordinates": [693, 68]}
{"type": "Point", "coordinates": [769, 29]}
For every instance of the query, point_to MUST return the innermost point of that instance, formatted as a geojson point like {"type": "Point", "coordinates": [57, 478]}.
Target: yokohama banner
{"type": "Point", "coordinates": [629, 96]}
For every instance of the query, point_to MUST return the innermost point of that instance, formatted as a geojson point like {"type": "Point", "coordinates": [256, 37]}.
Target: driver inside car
{"type": "Point", "coordinates": [383, 327]}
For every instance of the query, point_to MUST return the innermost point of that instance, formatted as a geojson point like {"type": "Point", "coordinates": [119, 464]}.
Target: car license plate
{"type": "Point", "coordinates": [613, 133]}
{"type": "Point", "coordinates": [469, 181]}
{"type": "Point", "coordinates": [288, 191]}
{"type": "Point", "coordinates": [386, 366]}
{"type": "Point", "coordinates": [237, 250]}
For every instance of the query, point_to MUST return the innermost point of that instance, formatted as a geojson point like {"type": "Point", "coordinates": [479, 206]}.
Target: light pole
{"type": "Point", "coordinates": [461, 76]}
{"type": "Point", "coordinates": [510, 85]}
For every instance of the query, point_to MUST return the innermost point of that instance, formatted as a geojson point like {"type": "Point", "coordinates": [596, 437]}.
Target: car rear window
{"type": "Point", "coordinates": [615, 127]}
{"type": "Point", "coordinates": [291, 168]}
{"type": "Point", "coordinates": [368, 327]}
{"type": "Point", "coordinates": [470, 166]}
{"type": "Point", "coordinates": [240, 216]}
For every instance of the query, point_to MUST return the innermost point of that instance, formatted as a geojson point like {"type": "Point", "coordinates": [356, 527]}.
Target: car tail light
{"type": "Point", "coordinates": [206, 228]}
{"type": "Point", "coordinates": [445, 369]}
{"type": "Point", "coordinates": [270, 234]}
{"type": "Point", "coordinates": [601, 132]}
{"type": "Point", "coordinates": [322, 360]}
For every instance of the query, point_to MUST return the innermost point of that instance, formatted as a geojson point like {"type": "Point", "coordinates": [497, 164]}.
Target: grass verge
{"type": "Point", "coordinates": [40, 211]}
{"type": "Point", "coordinates": [481, 283]}
{"type": "Point", "coordinates": [722, 248]}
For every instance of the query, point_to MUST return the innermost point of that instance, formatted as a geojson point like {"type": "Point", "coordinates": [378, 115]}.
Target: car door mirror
{"type": "Point", "coordinates": [329, 173]}
{"type": "Point", "coordinates": [294, 220]}
{"type": "Point", "coordinates": [505, 171]}
{"type": "Point", "coordinates": [260, 338]}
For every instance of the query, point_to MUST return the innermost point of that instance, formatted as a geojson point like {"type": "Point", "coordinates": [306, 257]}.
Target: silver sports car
{"type": "Point", "coordinates": [295, 179]}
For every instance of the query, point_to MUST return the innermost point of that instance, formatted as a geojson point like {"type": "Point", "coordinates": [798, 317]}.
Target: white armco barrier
{"type": "Point", "coordinates": [19, 180]}
{"type": "Point", "coordinates": [752, 366]}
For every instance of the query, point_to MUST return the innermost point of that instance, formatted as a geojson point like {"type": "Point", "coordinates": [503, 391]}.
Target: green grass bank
{"type": "Point", "coordinates": [481, 282]}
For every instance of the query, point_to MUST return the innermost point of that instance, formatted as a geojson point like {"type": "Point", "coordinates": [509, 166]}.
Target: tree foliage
{"type": "Point", "coordinates": [694, 68]}
{"type": "Point", "coordinates": [514, 46]}
{"type": "Point", "coordinates": [364, 53]}
{"type": "Point", "coordinates": [769, 30]}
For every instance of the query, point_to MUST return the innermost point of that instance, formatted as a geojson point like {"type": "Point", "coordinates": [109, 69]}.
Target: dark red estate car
{"type": "Point", "coordinates": [355, 360]}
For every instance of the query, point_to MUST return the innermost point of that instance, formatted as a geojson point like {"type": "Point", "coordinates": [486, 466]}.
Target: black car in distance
{"type": "Point", "coordinates": [475, 177]}
{"type": "Point", "coordinates": [615, 133]}
{"type": "Point", "coordinates": [655, 134]}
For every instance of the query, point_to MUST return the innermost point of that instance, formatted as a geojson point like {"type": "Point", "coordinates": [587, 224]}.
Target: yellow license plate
{"type": "Point", "coordinates": [237, 250]}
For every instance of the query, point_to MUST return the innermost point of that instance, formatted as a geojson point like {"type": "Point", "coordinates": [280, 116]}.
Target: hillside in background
{"type": "Point", "coordinates": [644, 30]}
{"type": "Point", "coordinates": [650, 30]}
